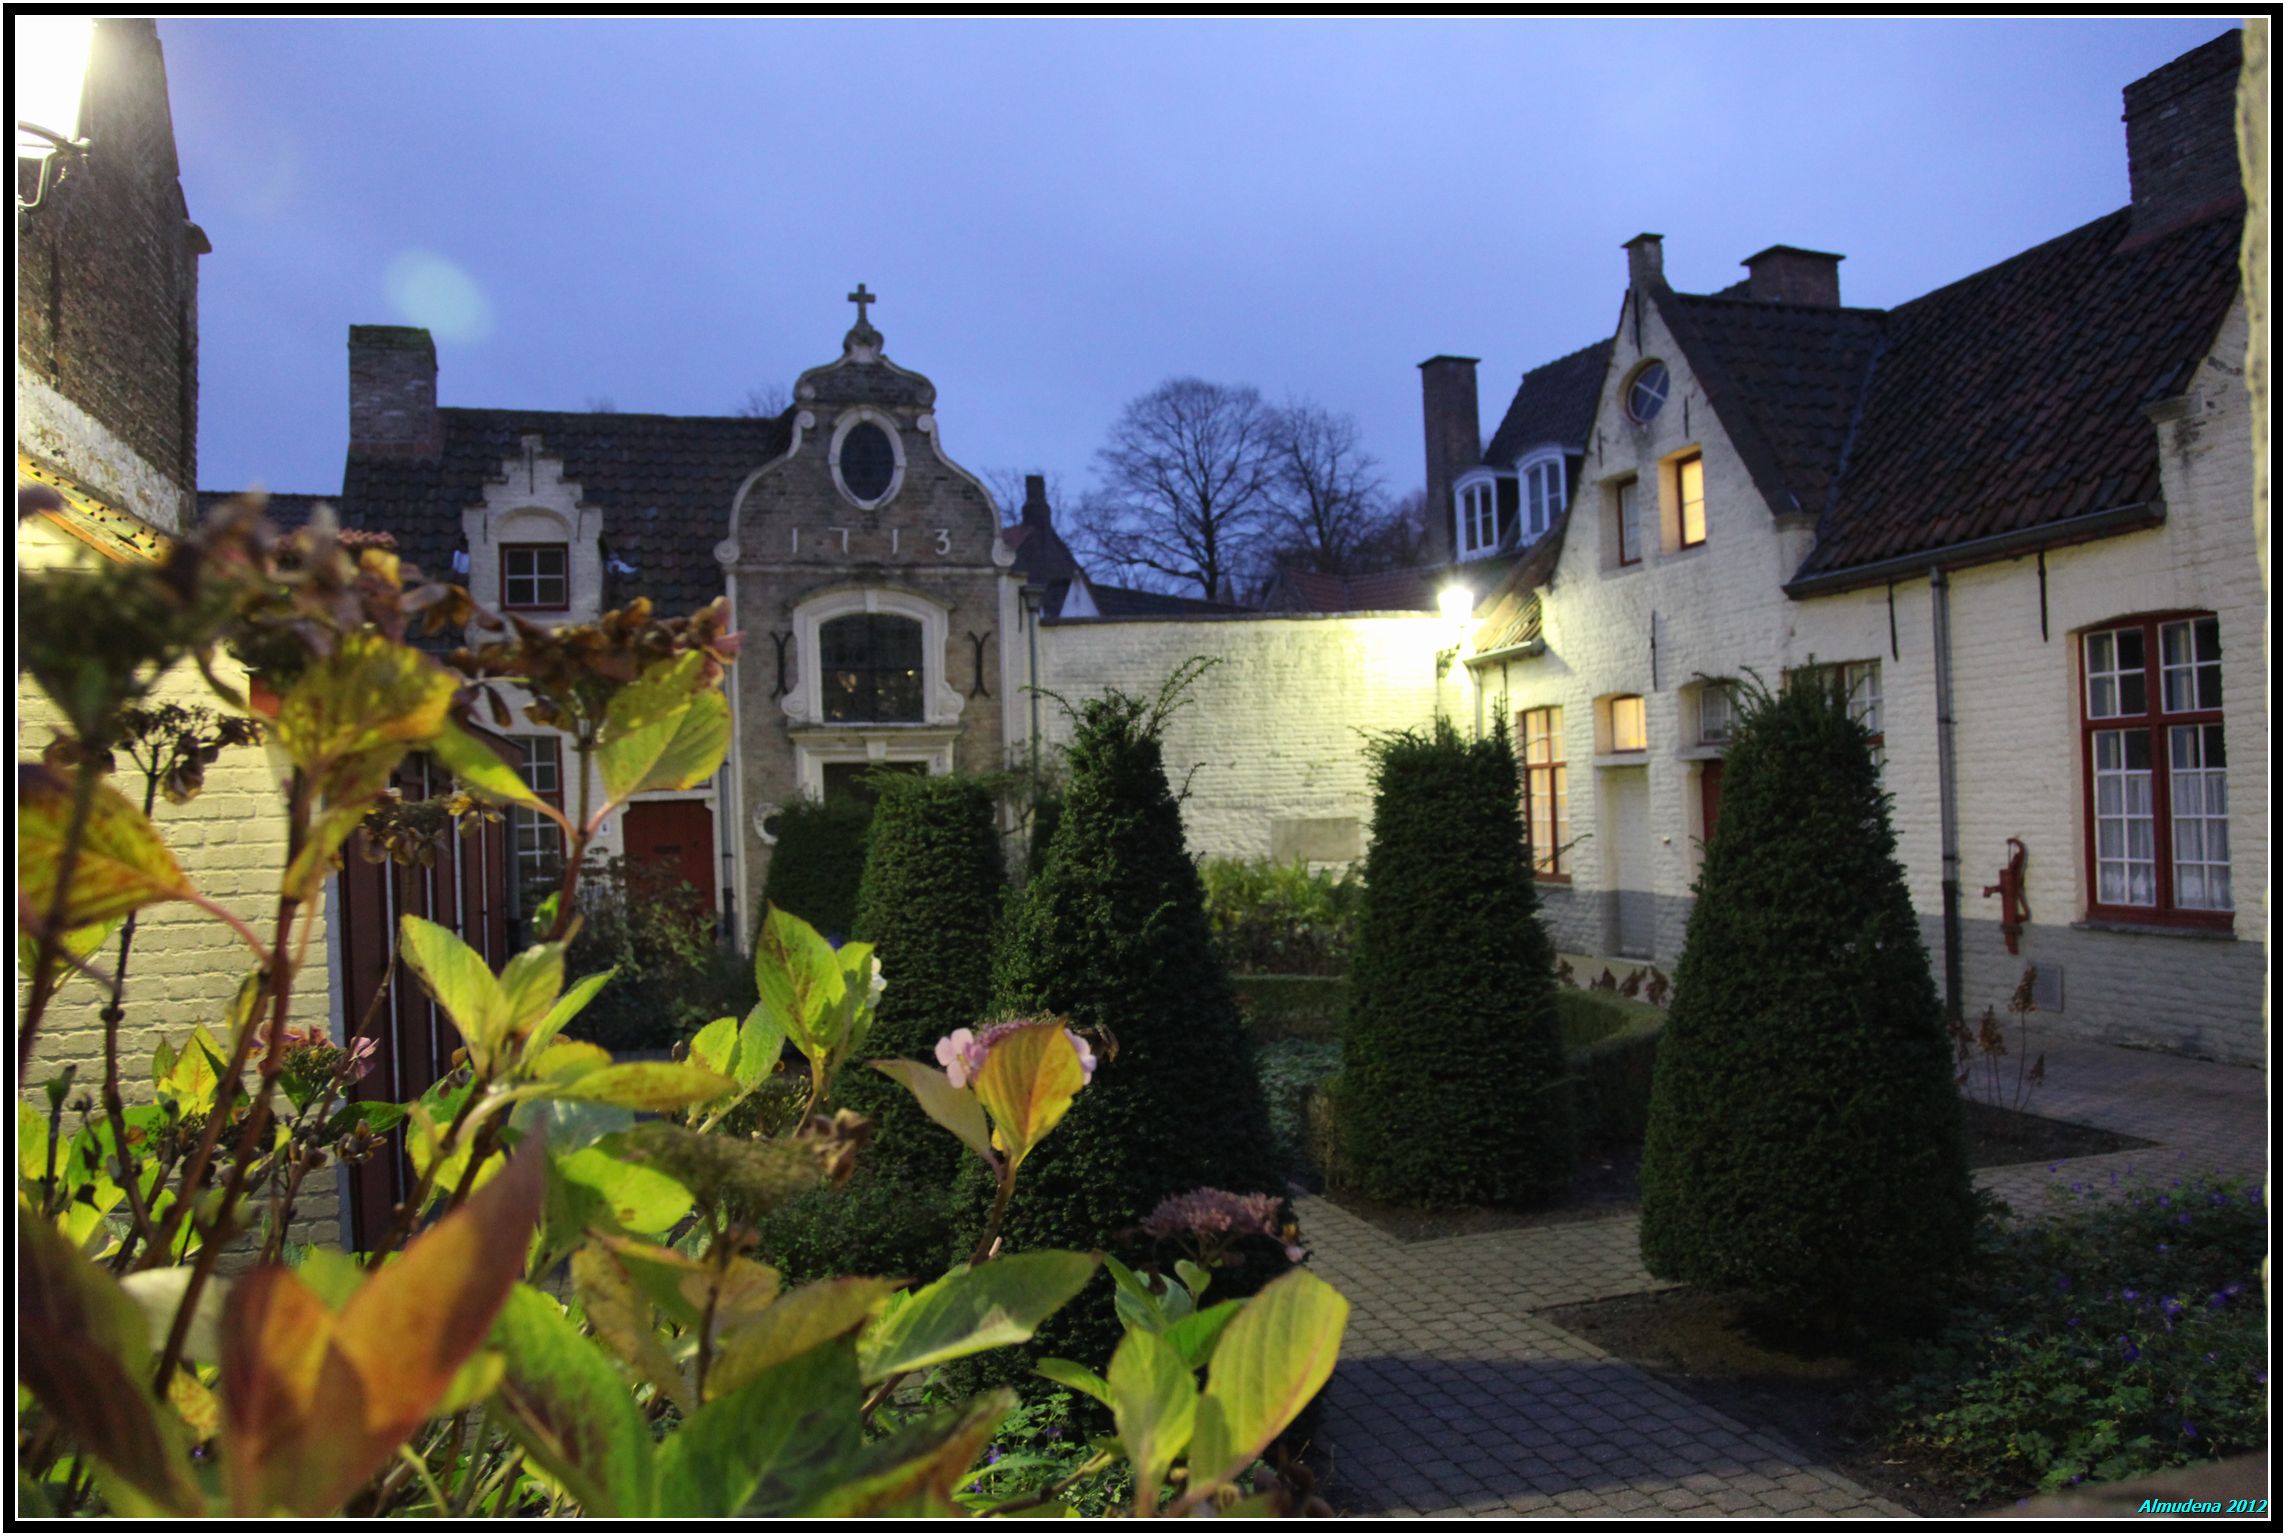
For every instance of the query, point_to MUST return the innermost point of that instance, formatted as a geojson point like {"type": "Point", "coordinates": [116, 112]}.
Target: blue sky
{"type": "Point", "coordinates": [1059, 214]}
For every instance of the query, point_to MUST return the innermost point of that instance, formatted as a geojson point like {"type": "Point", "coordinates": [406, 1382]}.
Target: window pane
{"type": "Point", "coordinates": [870, 667]}
{"type": "Point", "coordinates": [1691, 483]}
{"type": "Point", "coordinates": [1628, 732]}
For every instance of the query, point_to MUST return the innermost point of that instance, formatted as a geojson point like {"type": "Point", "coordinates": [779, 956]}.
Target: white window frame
{"type": "Point", "coordinates": [1537, 513]}
{"type": "Point", "coordinates": [940, 703]}
{"type": "Point", "coordinates": [1476, 517]}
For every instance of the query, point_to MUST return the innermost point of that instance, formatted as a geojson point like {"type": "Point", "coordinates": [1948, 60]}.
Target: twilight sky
{"type": "Point", "coordinates": [1059, 214]}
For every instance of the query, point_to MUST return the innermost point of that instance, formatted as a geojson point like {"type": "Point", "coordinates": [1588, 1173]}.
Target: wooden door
{"type": "Point", "coordinates": [676, 832]}
{"type": "Point", "coordinates": [1710, 797]}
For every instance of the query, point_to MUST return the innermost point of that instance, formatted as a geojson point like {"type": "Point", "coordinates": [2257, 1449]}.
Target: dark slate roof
{"type": "Point", "coordinates": [1133, 603]}
{"type": "Point", "coordinates": [1041, 553]}
{"type": "Point", "coordinates": [664, 483]}
{"type": "Point", "coordinates": [1554, 403]}
{"type": "Point", "coordinates": [1797, 373]}
{"type": "Point", "coordinates": [2014, 398]}
{"type": "Point", "coordinates": [1378, 592]}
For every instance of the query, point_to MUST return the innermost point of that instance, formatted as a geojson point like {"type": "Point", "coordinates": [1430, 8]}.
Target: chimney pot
{"type": "Point", "coordinates": [393, 392]}
{"type": "Point", "coordinates": [1788, 274]}
{"type": "Point", "coordinates": [1646, 262]}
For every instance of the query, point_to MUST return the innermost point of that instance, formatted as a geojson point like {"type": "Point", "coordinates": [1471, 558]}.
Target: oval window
{"type": "Point", "coordinates": [1648, 392]}
{"type": "Point", "coordinates": [868, 462]}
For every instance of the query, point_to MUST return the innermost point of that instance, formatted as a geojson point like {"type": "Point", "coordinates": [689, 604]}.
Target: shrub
{"type": "Point", "coordinates": [1292, 1007]}
{"type": "Point", "coordinates": [876, 1224]}
{"type": "Point", "coordinates": [1291, 1072]}
{"type": "Point", "coordinates": [1612, 1079]}
{"type": "Point", "coordinates": [1112, 933]}
{"type": "Point", "coordinates": [1805, 1141]}
{"type": "Point", "coordinates": [1280, 919]}
{"type": "Point", "coordinates": [929, 904]}
{"type": "Point", "coordinates": [672, 978]}
{"type": "Point", "coordinates": [820, 857]}
{"type": "Point", "coordinates": [2122, 1339]}
{"type": "Point", "coordinates": [1584, 1017]}
{"type": "Point", "coordinates": [1452, 1074]}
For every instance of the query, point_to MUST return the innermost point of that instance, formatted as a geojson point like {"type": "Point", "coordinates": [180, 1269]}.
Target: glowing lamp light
{"type": "Point", "coordinates": [51, 71]}
{"type": "Point", "coordinates": [1456, 603]}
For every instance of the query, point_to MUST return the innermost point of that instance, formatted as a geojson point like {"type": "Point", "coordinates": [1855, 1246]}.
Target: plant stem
{"type": "Point", "coordinates": [45, 970]}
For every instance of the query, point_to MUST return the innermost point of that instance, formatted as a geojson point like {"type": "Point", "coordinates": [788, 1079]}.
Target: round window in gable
{"type": "Point", "coordinates": [1647, 392]}
{"type": "Point", "coordinates": [868, 462]}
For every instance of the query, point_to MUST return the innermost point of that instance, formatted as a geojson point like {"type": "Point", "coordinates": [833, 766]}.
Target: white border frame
{"type": "Point", "coordinates": [843, 425]}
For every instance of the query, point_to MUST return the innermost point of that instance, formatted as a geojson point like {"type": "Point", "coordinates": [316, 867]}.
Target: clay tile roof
{"type": "Point", "coordinates": [1133, 603]}
{"type": "Point", "coordinates": [287, 511]}
{"type": "Point", "coordinates": [665, 485]}
{"type": "Point", "coordinates": [2015, 398]}
{"type": "Point", "coordinates": [1554, 403]}
{"type": "Point", "coordinates": [1379, 592]}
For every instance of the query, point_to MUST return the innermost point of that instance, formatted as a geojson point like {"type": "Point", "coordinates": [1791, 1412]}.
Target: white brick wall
{"type": "Point", "coordinates": [1719, 610]}
{"type": "Point", "coordinates": [1277, 730]}
{"type": "Point", "coordinates": [186, 966]}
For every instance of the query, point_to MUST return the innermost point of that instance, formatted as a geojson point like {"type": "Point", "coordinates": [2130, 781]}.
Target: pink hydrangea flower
{"type": "Point", "coordinates": [1216, 1215]}
{"type": "Point", "coordinates": [962, 1052]}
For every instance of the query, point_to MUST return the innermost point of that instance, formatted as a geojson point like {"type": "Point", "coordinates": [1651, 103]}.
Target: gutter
{"type": "Point", "coordinates": [1980, 551]}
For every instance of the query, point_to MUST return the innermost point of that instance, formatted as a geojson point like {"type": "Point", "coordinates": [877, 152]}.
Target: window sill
{"type": "Point", "coordinates": [2156, 930]}
{"type": "Point", "coordinates": [1638, 758]}
{"type": "Point", "coordinates": [1704, 753]}
{"type": "Point", "coordinates": [1631, 568]}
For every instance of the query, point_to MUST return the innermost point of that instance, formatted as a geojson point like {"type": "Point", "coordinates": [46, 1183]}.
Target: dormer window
{"type": "Point", "coordinates": [535, 577]}
{"type": "Point", "coordinates": [1477, 508]}
{"type": "Point", "coordinates": [1543, 493]}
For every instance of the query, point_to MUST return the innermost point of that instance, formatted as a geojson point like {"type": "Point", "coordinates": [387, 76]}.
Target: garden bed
{"type": "Point", "coordinates": [1605, 1185]}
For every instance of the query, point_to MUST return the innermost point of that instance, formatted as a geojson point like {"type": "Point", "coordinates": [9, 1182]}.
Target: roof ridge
{"type": "Point", "coordinates": [1744, 302]}
{"type": "Point", "coordinates": [1989, 268]}
{"type": "Point", "coordinates": [518, 411]}
{"type": "Point", "coordinates": [1576, 352]}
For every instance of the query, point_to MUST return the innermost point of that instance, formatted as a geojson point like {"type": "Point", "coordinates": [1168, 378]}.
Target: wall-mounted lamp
{"type": "Point", "coordinates": [51, 77]}
{"type": "Point", "coordinates": [1456, 603]}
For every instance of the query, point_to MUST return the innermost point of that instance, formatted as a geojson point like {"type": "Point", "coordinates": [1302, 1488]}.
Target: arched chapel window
{"type": "Point", "coordinates": [869, 667]}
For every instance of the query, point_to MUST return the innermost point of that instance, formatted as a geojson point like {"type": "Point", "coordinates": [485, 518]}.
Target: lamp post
{"type": "Point", "coordinates": [51, 79]}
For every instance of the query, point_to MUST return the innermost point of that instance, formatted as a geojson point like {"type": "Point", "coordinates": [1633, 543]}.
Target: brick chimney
{"type": "Point", "coordinates": [393, 392]}
{"type": "Point", "coordinates": [1450, 429]}
{"type": "Point", "coordinates": [2182, 136]}
{"type": "Point", "coordinates": [1787, 274]}
{"type": "Point", "coordinates": [1035, 511]}
{"type": "Point", "coordinates": [1645, 261]}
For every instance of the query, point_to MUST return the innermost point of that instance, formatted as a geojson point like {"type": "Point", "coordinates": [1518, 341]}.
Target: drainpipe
{"type": "Point", "coordinates": [1030, 598]}
{"type": "Point", "coordinates": [1948, 825]}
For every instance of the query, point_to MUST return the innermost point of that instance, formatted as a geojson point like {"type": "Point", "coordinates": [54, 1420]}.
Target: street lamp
{"type": "Point", "coordinates": [51, 78]}
{"type": "Point", "coordinates": [1456, 603]}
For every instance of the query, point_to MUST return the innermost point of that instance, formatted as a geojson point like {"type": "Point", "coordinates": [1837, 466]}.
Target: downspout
{"type": "Point", "coordinates": [1948, 825]}
{"type": "Point", "coordinates": [732, 792]}
{"type": "Point", "coordinates": [1031, 604]}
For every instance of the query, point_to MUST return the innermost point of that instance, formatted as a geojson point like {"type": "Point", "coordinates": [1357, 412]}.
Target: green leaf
{"type": "Point", "coordinates": [956, 1109]}
{"type": "Point", "coordinates": [378, 1116]}
{"type": "Point", "coordinates": [747, 1451]}
{"type": "Point", "coordinates": [460, 981]}
{"type": "Point", "coordinates": [715, 1047]}
{"type": "Point", "coordinates": [972, 1310]}
{"type": "Point", "coordinates": [1072, 1374]}
{"type": "Point", "coordinates": [757, 1176]}
{"type": "Point", "coordinates": [91, 1368]}
{"type": "Point", "coordinates": [640, 1199]}
{"type": "Point", "coordinates": [799, 980]}
{"type": "Point", "coordinates": [642, 744]}
{"type": "Point", "coordinates": [564, 1402]}
{"type": "Point", "coordinates": [1194, 1337]}
{"type": "Point", "coordinates": [123, 863]}
{"type": "Point", "coordinates": [645, 1085]}
{"type": "Point", "coordinates": [479, 768]}
{"type": "Point", "coordinates": [529, 983]}
{"type": "Point", "coordinates": [1132, 1300]}
{"type": "Point", "coordinates": [159, 1292]}
{"type": "Point", "coordinates": [1153, 1403]}
{"type": "Point", "coordinates": [620, 1314]}
{"type": "Point", "coordinates": [911, 1473]}
{"type": "Point", "coordinates": [761, 1041]}
{"type": "Point", "coordinates": [79, 943]}
{"type": "Point", "coordinates": [793, 1325]}
{"type": "Point", "coordinates": [567, 1007]}
{"type": "Point", "coordinates": [350, 717]}
{"type": "Point", "coordinates": [1273, 1357]}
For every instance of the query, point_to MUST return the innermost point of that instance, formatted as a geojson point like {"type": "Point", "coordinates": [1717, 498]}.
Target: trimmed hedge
{"type": "Point", "coordinates": [1612, 1082]}
{"type": "Point", "coordinates": [1583, 1016]}
{"type": "Point", "coordinates": [930, 901]}
{"type": "Point", "coordinates": [1806, 1140]}
{"type": "Point", "coordinates": [1452, 1072]}
{"type": "Point", "coordinates": [1112, 933]}
{"type": "Point", "coordinates": [1292, 1007]}
{"type": "Point", "coordinates": [819, 860]}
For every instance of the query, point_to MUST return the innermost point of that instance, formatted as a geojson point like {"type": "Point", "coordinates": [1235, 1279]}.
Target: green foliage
{"type": "Point", "coordinates": [1612, 1079]}
{"type": "Point", "coordinates": [876, 1224]}
{"type": "Point", "coordinates": [1292, 1007]}
{"type": "Point", "coordinates": [1291, 1072]}
{"type": "Point", "coordinates": [653, 932]}
{"type": "Point", "coordinates": [2114, 1341]}
{"type": "Point", "coordinates": [1472, 1109]}
{"type": "Point", "coordinates": [818, 863]}
{"type": "Point", "coordinates": [1113, 935]}
{"type": "Point", "coordinates": [929, 904]}
{"type": "Point", "coordinates": [1805, 1141]}
{"type": "Point", "coordinates": [1281, 919]}
{"type": "Point", "coordinates": [1583, 1017]}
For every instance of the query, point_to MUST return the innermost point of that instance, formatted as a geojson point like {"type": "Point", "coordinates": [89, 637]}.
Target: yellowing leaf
{"type": "Point", "coordinates": [793, 1325]}
{"type": "Point", "coordinates": [350, 717]}
{"type": "Point", "coordinates": [1271, 1360]}
{"type": "Point", "coordinates": [953, 1108]}
{"type": "Point", "coordinates": [480, 768]}
{"type": "Point", "coordinates": [1028, 1080]}
{"type": "Point", "coordinates": [123, 863]}
{"type": "Point", "coordinates": [460, 981]}
{"type": "Point", "coordinates": [529, 984]}
{"type": "Point", "coordinates": [652, 1085]}
{"type": "Point", "coordinates": [1153, 1403]}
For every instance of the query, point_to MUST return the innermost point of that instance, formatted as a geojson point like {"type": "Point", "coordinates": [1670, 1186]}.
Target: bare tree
{"type": "Point", "coordinates": [1007, 488]}
{"type": "Point", "coordinates": [1397, 539]}
{"type": "Point", "coordinates": [764, 400]}
{"type": "Point", "coordinates": [1325, 489]}
{"type": "Point", "coordinates": [1184, 489]}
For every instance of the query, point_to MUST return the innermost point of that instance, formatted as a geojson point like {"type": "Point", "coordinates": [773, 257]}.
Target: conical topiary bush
{"type": "Point", "coordinates": [1805, 1139]}
{"type": "Point", "coordinates": [1453, 1086]}
{"type": "Point", "coordinates": [815, 868]}
{"type": "Point", "coordinates": [1112, 933]}
{"type": "Point", "coordinates": [930, 904]}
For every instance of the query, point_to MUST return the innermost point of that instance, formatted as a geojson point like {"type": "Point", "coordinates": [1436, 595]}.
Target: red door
{"type": "Point", "coordinates": [677, 831]}
{"type": "Point", "coordinates": [1710, 797]}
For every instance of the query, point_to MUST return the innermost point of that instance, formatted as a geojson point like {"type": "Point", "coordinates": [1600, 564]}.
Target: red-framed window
{"type": "Point", "coordinates": [2157, 804]}
{"type": "Point", "coordinates": [1691, 501]}
{"type": "Point", "coordinates": [1627, 529]}
{"type": "Point", "coordinates": [537, 842]}
{"type": "Point", "coordinates": [1547, 803]}
{"type": "Point", "coordinates": [535, 576]}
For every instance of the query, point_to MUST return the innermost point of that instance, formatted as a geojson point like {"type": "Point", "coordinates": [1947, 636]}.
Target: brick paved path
{"type": "Point", "coordinates": [1452, 1398]}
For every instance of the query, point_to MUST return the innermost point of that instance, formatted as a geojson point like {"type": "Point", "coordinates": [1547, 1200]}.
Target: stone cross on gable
{"type": "Point", "coordinates": [861, 298]}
